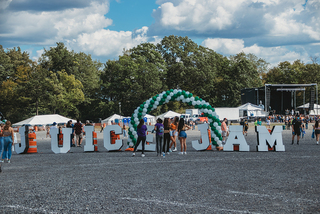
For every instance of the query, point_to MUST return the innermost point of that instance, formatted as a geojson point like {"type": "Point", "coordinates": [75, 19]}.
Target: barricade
{"type": "Point", "coordinates": [95, 141]}
{"type": "Point", "coordinates": [32, 143]}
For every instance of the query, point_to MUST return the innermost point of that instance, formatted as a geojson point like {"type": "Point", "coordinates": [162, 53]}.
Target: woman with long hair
{"type": "Point", "coordinates": [174, 133]}
{"type": "Point", "coordinates": [141, 131]}
{"type": "Point", "coordinates": [159, 128]}
{"type": "Point", "coordinates": [317, 130]}
{"type": "Point", "coordinates": [8, 138]}
{"type": "Point", "coordinates": [166, 136]}
{"type": "Point", "coordinates": [182, 127]}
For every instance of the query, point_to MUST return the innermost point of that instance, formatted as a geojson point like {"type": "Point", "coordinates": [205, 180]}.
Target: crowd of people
{"type": "Point", "coordinates": [167, 132]}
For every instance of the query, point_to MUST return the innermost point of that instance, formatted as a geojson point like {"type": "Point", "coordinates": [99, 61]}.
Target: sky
{"type": "Point", "coordinates": [274, 30]}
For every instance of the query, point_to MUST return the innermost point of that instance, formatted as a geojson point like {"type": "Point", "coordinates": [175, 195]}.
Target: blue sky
{"type": "Point", "coordinates": [275, 30]}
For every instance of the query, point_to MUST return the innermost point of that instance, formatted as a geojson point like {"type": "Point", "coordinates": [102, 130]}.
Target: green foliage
{"type": "Point", "coordinates": [74, 85]}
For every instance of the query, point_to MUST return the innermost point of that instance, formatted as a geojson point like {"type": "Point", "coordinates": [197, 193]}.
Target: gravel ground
{"type": "Point", "coordinates": [199, 182]}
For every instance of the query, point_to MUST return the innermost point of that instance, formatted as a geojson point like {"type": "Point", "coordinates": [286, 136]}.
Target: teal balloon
{"type": "Point", "coordinates": [152, 101]}
{"type": "Point", "coordinates": [190, 103]}
{"type": "Point", "coordinates": [219, 124]}
{"type": "Point", "coordinates": [132, 122]}
{"type": "Point", "coordinates": [134, 140]}
{"type": "Point", "coordinates": [163, 100]}
{"type": "Point", "coordinates": [154, 98]}
{"type": "Point", "coordinates": [179, 94]}
{"type": "Point", "coordinates": [140, 110]}
{"type": "Point", "coordinates": [171, 90]}
{"type": "Point", "coordinates": [135, 126]}
{"type": "Point", "coordinates": [199, 106]}
{"type": "Point", "coordinates": [167, 92]}
{"type": "Point", "coordinates": [185, 95]}
{"type": "Point", "coordinates": [183, 92]}
{"type": "Point", "coordinates": [209, 107]}
{"type": "Point", "coordinates": [200, 99]}
{"type": "Point", "coordinates": [165, 96]}
{"type": "Point", "coordinates": [144, 102]}
{"type": "Point", "coordinates": [142, 105]}
{"type": "Point", "coordinates": [139, 114]}
{"type": "Point", "coordinates": [131, 136]}
{"type": "Point", "coordinates": [212, 109]}
{"type": "Point", "coordinates": [190, 95]}
{"type": "Point", "coordinates": [196, 98]}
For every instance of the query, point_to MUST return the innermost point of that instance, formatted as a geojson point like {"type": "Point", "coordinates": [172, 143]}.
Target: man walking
{"type": "Point", "coordinates": [78, 131]}
{"type": "Point", "coordinates": [296, 125]}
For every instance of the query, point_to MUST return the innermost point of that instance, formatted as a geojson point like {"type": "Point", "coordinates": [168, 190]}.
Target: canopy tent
{"type": "Point", "coordinates": [252, 110]}
{"type": "Point", "coordinates": [150, 118]}
{"type": "Point", "coordinates": [44, 119]}
{"type": "Point", "coordinates": [112, 118]}
{"type": "Point", "coordinates": [315, 106]}
{"type": "Point", "coordinates": [169, 114]}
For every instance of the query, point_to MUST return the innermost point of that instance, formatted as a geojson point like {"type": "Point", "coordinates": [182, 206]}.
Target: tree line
{"type": "Point", "coordinates": [74, 85]}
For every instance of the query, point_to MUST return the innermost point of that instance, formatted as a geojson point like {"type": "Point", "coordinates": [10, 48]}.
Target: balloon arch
{"type": "Point", "coordinates": [176, 95]}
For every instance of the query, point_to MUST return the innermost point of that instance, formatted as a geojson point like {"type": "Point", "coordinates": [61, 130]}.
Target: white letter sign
{"type": "Point", "coordinates": [273, 139]}
{"type": "Point", "coordinates": [236, 138]}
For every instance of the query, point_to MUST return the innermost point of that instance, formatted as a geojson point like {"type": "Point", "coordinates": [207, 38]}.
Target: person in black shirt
{"type": "Point", "coordinates": [296, 125]}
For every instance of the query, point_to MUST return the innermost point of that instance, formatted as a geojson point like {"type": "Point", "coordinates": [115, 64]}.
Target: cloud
{"type": "Point", "coordinates": [272, 55]}
{"type": "Point", "coordinates": [109, 43]}
{"type": "Point", "coordinates": [48, 27]}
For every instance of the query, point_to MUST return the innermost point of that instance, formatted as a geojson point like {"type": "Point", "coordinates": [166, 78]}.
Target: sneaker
{"type": "Point", "coordinates": [1, 161]}
{"type": "Point", "coordinates": [317, 143]}
{"type": "Point", "coordinates": [164, 154]}
{"type": "Point", "coordinates": [133, 154]}
{"type": "Point", "coordinates": [168, 153]}
{"type": "Point", "coordinates": [143, 155]}
{"type": "Point", "coordinates": [170, 150]}
{"type": "Point", "coordinates": [185, 153]}
{"type": "Point", "coordinates": [8, 161]}
{"type": "Point", "coordinates": [180, 153]}
{"type": "Point", "coordinates": [175, 149]}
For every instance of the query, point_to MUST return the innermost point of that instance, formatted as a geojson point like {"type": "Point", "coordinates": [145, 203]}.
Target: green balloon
{"type": "Point", "coordinates": [219, 124]}
{"type": "Point", "coordinates": [163, 100]}
{"type": "Point", "coordinates": [135, 126]}
{"type": "Point", "coordinates": [131, 136]}
{"type": "Point", "coordinates": [199, 106]}
{"type": "Point", "coordinates": [167, 92]}
{"type": "Point", "coordinates": [140, 110]}
{"type": "Point", "coordinates": [200, 99]}
{"type": "Point", "coordinates": [132, 122]}
{"type": "Point", "coordinates": [209, 107]}
{"type": "Point", "coordinates": [154, 98]}
{"type": "Point", "coordinates": [196, 98]}
{"type": "Point", "coordinates": [190, 95]}
{"type": "Point", "coordinates": [152, 101]}
{"type": "Point", "coordinates": [165, 96]}
{"type": "Point", "coordinates": [141, 106]}
{"type": "Point", "coordinates": [190, 103]}
{"type": "Point", "coordinates": [171, 90]}
{"type": "Point", "coordinates": [139, 114]}
{"type": "Point", "coordinates": [183, 92]}
{"type": "Point", "coordinates": [144, 102]}
{"type": "Point", "coordinates": [179, 94]}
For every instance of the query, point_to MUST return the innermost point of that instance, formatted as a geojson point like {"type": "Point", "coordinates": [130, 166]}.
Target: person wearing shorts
{"type": "Point", "coordinates": [224, 130]}
{"type": "Point", "coordinates": [317, 131]}
{"type": "Point", "coordinates": [296, 125]}
{"type": "Point", "coordinates": [182, 127]}
{"type": "Point", "coordinates": [174, 134]}
{"type": "Point", "coordinates": [78, 131]}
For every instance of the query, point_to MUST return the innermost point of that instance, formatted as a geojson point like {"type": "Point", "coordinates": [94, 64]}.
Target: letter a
{"type": "Point", "coordinates": [236, 138]}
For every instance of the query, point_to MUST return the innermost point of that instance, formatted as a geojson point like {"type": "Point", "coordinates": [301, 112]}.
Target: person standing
{"type": "Point", "coordinates": [1, 142]}
{"type": "Point", "coordinates": [246, 127]}
{"type": "Point", "coordinates": [174, 133]}
{"type": "Point", "coordinates": [8, 138]}
{"type": "Point", "coordinates": [296, 125]}
{"type": "Point", "coordinates": [141, 132]}
{"type": "Point", "coordinates": [159, 128]}
{"type": "Point", "coordinates": [70, 125]}
{"type": "Point", "coordinates": [166, 135]}
{"type": "Point", "coordinates": [317, 131]}
{"type": "Point", "coordinates": [182, 127]}
{"type": "Point", "coordinates": [224, 130]}
{"type": "Point", "coordinates": [78, 131]}
{"type": "Point", "coordinates": [54, 126]}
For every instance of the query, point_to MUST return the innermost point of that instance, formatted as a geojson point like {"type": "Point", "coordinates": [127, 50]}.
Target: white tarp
{"type": "Point", "coordinates": [168, 114]}
{"type": "Point", "coordinates": [315, 106]}
{"type": "Point", "coordinates": [252, 110]}
{"type": "Point", "coordinates": [44, 119]}
{"type": "Point", "coordinates": [229, 113]}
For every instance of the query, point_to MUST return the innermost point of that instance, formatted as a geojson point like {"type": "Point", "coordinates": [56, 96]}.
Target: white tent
{"type": "Point", "coordinates": [150, 118]}
{"type": "Point", "coordinates": [316, 107]}
{"type": "Point", "coordinates": [168, 114]}
{"type": "Point", "coordinates": [252, 110]}
{"type": "Point", "coordinates": [44, 119]}
{"type": "Point", "coordinates": [112, 118]}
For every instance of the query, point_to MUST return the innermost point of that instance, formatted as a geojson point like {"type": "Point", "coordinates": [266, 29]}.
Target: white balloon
{"type": "Point", "coordinates": [220, 131]}
{"type": "Point", "coordinates": [198, 102]}
{"type": "Point", "coordinates": [210, 120]}
{"type": "Point", "coordinates": [158, 99]}
{"type": "Point", "coordinates": [175, 91]}
{"type": "Point", "coordinates": [215, 124]}
{"type": "Point", "coordinates": [181, 97]}
{"type": "Point", "coordinates": [216, 139]}
{"type": "Point", "coordinates": [205, 110]}
{"type": "Point", "coordinates": [214, 114]}
{"type": "Point", "coordinates": [179, 90]}
{"type": "Point", "coordinates": [156, 103]}
{"type": "Point", "coordinates": [131, 144]}
{"type": "Point", "coordinates": [194, 103]}
{"type": "Point", "coordinates": [217, 116]}
{"type": "Point", "coordinates": [192, 99]}
{"type": "Point", "coordinates": [136, 120]}
{"type": "Point", "coordinates": [145, 105]}
{"type": "Point", "coordinates": [210, 111]}
{"type": "Point", "coordinates": [178, 99]}
{"type": "Point", "coordinates": [171, 94]}
{"type": "Point", "coordinates": [169, 97]}
{"type": "Point", "coordinates": [144, 110]}
{"type": "Point", "coordinates": [188, 100]}
{"type": "Point", "coordinates": [136, 111]}
{"type": "Point", "coordinates": [131, 129]}
{"type": "Point", "coordinates": [135, 115]}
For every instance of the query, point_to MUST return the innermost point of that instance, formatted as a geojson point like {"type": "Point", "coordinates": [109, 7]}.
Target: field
{"type": "Point", "coordinates": [199, 182]}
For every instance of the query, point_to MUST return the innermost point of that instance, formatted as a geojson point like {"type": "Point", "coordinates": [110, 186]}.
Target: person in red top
{"type": "Point", "coordinates": [78, 131]}
{"type": "Point", "coordinates": [224, 130]}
